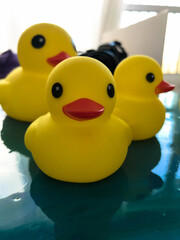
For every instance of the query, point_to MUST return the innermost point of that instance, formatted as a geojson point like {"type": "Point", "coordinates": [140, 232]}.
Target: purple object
{"type": "Point", "coordinates": [8, 61]}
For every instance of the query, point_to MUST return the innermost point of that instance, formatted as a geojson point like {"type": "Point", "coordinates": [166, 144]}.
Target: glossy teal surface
{"type": "Point", "coordinates": [140, 201]}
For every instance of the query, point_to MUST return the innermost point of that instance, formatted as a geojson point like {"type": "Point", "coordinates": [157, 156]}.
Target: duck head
{"type": "Point", "coordinates": [81, 90]}
{"type": "Point", "coordinates": [42, 46]}
{"type": "Point", "coordinates": [140, 77]}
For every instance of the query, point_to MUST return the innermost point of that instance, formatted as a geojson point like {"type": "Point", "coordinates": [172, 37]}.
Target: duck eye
{"type": "Point", "coordinates": [38, 41]}
{"type": "Point", "coordinates": [110, 90]}
{"type": "Point", "coordinates": [150, 77]}
{"type": "Point", "coordinates": [57, 90]}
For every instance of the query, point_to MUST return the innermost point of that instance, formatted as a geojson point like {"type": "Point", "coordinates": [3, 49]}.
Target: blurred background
{"type": "Point", "coordinates": [88, 20]}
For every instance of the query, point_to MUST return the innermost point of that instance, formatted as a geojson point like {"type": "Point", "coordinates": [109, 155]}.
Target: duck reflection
{"type": "Point", "coordinates": [12, 134]}
{"type": "Point", "coordinates": [142, 157]}
{"type": "Point", "coordinates": [84, 211]}
{"type": "Point", "coordinates": [80, 211]}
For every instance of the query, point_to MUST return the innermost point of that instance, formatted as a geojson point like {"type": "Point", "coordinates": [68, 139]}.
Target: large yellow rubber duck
{"type": "Point", "coordinates": [40, 48]}
{"type": "Point", "coordinates": [139, 80]}
{"type": "Point", "coordinates": [79, 140]}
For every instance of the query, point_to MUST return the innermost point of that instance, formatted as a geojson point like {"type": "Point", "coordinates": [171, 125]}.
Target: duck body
{"type": "Point", "coordinates": [139, 80]}
{"type": "Point", "coordinates": [78, 154]}
{"type": "Point", "coordinates": [145, 118]}
{"type": "Point", "coordinates": [22, 95]}
{"type": "Point", "coordinates": [79, 140]}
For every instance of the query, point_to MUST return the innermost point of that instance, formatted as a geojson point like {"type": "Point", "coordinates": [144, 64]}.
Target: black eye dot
{"type": "Point", "coordinates": [57, 90]}
{"type": "Point", "coordinates": [38, 41]}
{"type": "Point", "coordinates": [110, 90]}
{"type": "Point", "coordinates": [150, 77]}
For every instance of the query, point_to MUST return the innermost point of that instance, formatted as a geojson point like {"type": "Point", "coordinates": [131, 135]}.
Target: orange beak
{"type": "Point", "coordinates": [83, 109]}
{"type": "Point", "coordinates": [53, 61]}
{"type": "Point", "coordinates": [164, 87]}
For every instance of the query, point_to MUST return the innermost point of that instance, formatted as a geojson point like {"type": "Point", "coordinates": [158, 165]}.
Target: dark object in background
{"type": "Point", "coordinates": [8, 61]}
{"type": "Point", "coordinates": [111, 54]}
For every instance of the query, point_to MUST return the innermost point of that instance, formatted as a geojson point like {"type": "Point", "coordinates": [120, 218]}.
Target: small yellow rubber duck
{"type": "Point", "coordinates": [79, 140]}
{"type": "Point", "coordinates": [139, 80]}
{"type": "Point", "coordinates": [40, 48]}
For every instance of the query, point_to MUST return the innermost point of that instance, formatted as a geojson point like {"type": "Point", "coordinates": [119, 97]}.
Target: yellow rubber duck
{"type": "Point", "coordinates": [79, 140]}
{"type": "Point", "coordinates": [40, 48]}
{"type": "Point", "coordinates": [139, 80]}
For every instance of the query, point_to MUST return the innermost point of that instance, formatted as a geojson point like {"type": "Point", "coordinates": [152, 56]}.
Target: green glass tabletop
{"type": "Point", "coordinates": [140, 201]}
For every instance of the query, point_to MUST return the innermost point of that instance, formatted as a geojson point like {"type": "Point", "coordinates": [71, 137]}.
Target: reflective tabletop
{"type": "Point", "coordinates": [140, 201]}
